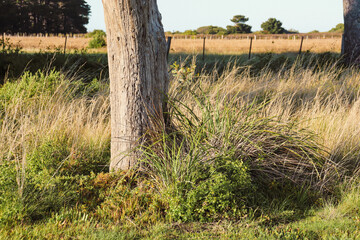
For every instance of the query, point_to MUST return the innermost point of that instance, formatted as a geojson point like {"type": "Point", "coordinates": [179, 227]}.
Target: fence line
{"type": "Point", "coordinates": [202, 36]}
{"type": "Point", "coordinates": [260, 36]}
{"type": "Point", "coordinates": [69, 35]}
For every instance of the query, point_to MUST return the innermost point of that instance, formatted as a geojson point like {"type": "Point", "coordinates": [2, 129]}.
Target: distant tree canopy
{"type": "Point", "coordinates": [240, 26]}
{"type": "Point", "coordinates": [338, 29]}
{"type": "Point", "coordinates": [190, 32]}
{"type": "Point", "coordinates": [314, 31]}
{"type": "Point", "coordinates": [44, 16]}
{"type": "Point", "coordinates": [211, 30]}
{"type": "Point", "coordinates": [272, 26]}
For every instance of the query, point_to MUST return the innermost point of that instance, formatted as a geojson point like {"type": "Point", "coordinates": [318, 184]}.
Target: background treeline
{"type": "Point", "coordinates": [239, 26]}
{"type": "Point", "coordinates": [43, 16]}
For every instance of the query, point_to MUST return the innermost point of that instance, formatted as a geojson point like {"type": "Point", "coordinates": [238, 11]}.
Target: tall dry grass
{"type": "Point", "coordinates": [325, 100]}
{"type": "Point", "coordinates": [50, 107]}
{"type": "Point", "coordinates": [265, 118]}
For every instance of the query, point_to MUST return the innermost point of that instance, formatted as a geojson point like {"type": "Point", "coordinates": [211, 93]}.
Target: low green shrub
{"type": "Point", "coordinates": [95, 33]}
{"type": "Point", "coordinates": [98, 39]}
{"type": "Point", "coordinates": [133, 199]}
{"type": "Point", "coordinates": [51, 179]}
{"type": "Point", "coordinates": [219, 191]}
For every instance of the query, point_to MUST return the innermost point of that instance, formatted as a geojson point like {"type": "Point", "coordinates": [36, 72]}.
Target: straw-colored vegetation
{"type": "Point", "coordinates": [248, 152]}
{"type": "Point", "coordinates": [35, 44]}
{"type": "Point", "coordinates": [233, 46]}
{"type": "Point", "coordinates": [215, 46]}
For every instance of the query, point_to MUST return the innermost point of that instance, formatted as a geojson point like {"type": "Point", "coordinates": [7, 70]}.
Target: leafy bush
{"type": "Point", "coordinates": [219, 191]}
{"type": "Point", "coordinates": [98, 39]}
{"type": "Point", "coordinates": [96, 32]}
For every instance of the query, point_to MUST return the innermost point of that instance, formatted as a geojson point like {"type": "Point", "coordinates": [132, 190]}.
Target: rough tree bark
{"type": "Point", "coordinates": [351, 40]}
{"type": "Point", "coordinates": [138, 74]}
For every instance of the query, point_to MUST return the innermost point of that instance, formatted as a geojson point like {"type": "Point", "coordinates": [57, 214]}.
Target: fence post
{"type": "Point", "coordinates": [204, 49]}
{"type": "Point", "coordinates": [251, 40]}
{"type": "Point", "coordinates": [168, 45]}
{"type": "Point", "coordinates": [301, 44]}
{"type": "Point", "coordinates": [65, 43]}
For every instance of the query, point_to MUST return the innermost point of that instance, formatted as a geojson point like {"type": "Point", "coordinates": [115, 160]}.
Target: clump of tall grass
{"type": "Point", "coordinates": [50, 132]}
{"type": "Point", "coordinates": [322, 96]}
{"type": "Point", "coordinates": [221, 152]}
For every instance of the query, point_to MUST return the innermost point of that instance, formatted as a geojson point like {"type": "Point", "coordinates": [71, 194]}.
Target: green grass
{"type": "Point", "coordinates": [254, 149]}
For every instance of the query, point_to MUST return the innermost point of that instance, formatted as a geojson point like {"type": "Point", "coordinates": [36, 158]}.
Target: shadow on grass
{"type": "Point", "coordinates": [88, 66]}
{"type": "Point", "coordinates": [95, 65]}
{"type": "Point", "coordinates": [258, 62]}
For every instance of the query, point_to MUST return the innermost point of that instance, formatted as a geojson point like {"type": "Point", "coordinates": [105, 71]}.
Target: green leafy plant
{"type": "Point", "coordinates": [98, 39]}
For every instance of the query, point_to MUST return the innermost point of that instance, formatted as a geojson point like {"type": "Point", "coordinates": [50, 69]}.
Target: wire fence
{"type": "Point", "coordinates": [260, 36]}
{"type": "Point", "coordinates": [201, 36]}
{"type": "Point", "coordinates": [201, 44]}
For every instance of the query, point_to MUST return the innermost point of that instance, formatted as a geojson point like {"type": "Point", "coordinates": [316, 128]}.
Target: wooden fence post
{"type": "Point", "coordinates": [251, 40]}
{"type": "Point", "coordinates": [204, 49]}
{"type": "Point", "coordinates": [65, 44]}
{"type": "Point", "coordinates": [301, 44]}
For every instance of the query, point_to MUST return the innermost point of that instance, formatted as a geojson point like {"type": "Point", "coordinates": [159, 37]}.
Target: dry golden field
{"type": "Point", "coordinates": [236, 46]}
{"type": "Point", "coordinates": [35, 44]}
{"type": "Point", "coordinates": [216, 46]}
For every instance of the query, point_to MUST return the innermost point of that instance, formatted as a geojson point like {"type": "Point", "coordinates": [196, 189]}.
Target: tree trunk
{"type": "Point", "coordinates": [351, 39]}
{"type": "Point", "coordinates": [138, 74]}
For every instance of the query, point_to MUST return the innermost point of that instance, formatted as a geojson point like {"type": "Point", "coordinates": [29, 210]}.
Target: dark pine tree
{"type": "Point", "coordinates": [44, 16]}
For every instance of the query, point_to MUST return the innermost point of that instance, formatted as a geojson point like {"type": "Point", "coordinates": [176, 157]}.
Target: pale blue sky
{"type": "Point", "coordinates": [302, 15]}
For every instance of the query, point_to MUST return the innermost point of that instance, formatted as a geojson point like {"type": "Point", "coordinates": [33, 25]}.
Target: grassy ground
{"type": "Point", "coordinates": [266, 148]}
